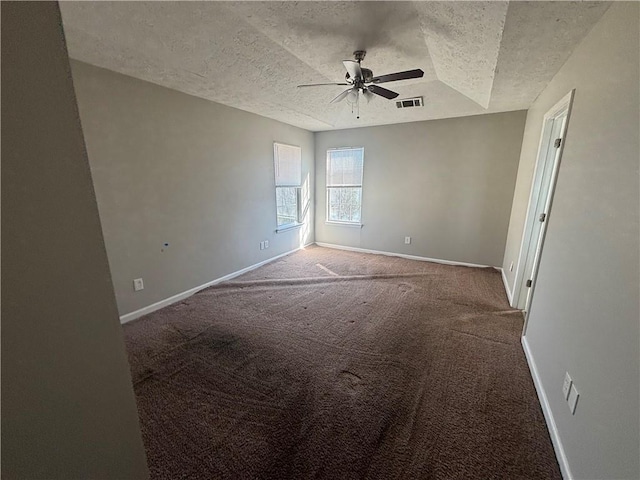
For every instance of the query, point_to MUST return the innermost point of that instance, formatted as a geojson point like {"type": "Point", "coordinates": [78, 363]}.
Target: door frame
{"type": "Point", "coordinates": [558, 110]}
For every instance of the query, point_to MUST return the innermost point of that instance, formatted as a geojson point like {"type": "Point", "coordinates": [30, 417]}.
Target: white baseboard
{"type": "Point", "coordinates": [181, 296]}
{"type": "Point", "coordinates": [506, 287]}
{"type": "Point", "coordinates": [402, 255]}
{"type": "Point", "coordinates": [548, 415]}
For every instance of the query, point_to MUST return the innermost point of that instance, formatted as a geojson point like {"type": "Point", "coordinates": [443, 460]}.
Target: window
{"type": "Point", "coordinates": [344, 185]}
{"type": "Point", "coordinates": [288, 168]}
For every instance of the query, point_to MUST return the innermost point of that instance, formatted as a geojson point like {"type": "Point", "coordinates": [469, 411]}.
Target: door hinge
{"type": "Point", "coordinates": [542, 217]}
{"type": "Point", "coordinates": [557, 143]}
{"type": "Point", "coordinates": [529, 283]}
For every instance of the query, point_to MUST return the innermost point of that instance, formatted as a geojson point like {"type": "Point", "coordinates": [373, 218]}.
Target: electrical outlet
{"type": "Point", "coordinates": [261, 245]}
{"type": "Point", "coordinates": [511, 267]}
{"type": "Point", "coordinates": [138, 284]}
{"type": "Point", "coordinates": [266, 244]}
{"type": "Point", "coordinates": [574, 395]}
{"type": "Point", "coordinates": [566, 385]}
{"type": "Point", "coordinates": [407, 240]}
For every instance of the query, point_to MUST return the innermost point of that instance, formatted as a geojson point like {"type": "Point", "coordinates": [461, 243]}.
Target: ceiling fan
{"type": "Point", "coordinates": [360, 79]}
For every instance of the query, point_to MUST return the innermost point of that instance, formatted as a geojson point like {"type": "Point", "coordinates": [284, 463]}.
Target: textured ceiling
{"type": "Point", "coordinates": [478, 57]}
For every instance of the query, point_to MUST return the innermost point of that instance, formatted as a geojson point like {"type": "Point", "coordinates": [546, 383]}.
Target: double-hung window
{"type": "Point", "coordinates": [344, 185]}
{"type": "Point", "coordinates": [288, 170]}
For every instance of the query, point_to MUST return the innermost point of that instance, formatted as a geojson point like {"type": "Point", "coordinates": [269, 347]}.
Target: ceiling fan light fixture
{"type": "Point", "coordinates": [367, 95]}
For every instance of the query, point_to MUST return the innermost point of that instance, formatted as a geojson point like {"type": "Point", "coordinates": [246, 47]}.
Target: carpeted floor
{"type": "Point", "coordinates": [338, 365]}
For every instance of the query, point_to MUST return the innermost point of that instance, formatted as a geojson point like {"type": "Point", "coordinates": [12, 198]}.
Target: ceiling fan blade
{"type": "Point", "coordinates": [341, 96]}
{"type": "Point", "coordinates": [383, 92]}
{"type": "Point", "coordinates": [353, 68]}
{"type": "Point", "coordinates": [392, 77]}
{"type": "Point", "coordinates": [322, 84]}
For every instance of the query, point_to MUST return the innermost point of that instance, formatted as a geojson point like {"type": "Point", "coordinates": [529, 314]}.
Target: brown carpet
{"type": "Point", "coordinates": [340, 365]}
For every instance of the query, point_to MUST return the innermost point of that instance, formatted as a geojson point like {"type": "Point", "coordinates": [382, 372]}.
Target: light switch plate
{"type": "Point", "coordinates": [574, 395]}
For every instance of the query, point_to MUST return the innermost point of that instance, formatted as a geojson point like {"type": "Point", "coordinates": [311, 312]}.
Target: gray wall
{"type": "Point", "coordinates": [172, 168]}
{"type": "Point", "coordinates": [584, 314]}
{"type": "Point", "coordinates": [446, 183]}
{"type": "Point", "coordinates": [68, 409]}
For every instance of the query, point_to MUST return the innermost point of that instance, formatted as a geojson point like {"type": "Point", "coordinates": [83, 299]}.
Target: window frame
{"type": "Point", "coordinates": [298, 187]}
{"type": "Point", "coordinates": [328, 187]}
{"type": "Point", "coordinates": [296, 222]}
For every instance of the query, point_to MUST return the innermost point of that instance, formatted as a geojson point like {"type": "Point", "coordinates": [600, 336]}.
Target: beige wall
{"type": "Point", "coordinates": [448, 184]}
{"type": "Point", "coordinates": [68, 409]}
{"type": "Point", "coordinates": [172, 168]}
{"type": "Point", "coordinates": [584, 315]}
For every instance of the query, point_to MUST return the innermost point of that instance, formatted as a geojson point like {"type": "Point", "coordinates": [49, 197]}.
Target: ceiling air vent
{"type": "Point", "coordinates": [410, 102]}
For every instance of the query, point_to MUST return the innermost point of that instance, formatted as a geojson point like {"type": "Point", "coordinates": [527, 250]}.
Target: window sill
{"type": "Point", "coordinates": [286, 228]}
{"type": "Point", "coordinates": [343, 224]}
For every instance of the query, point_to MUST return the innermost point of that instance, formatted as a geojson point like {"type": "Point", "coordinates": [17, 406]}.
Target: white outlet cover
{"type": "Point", "coordinates": [566, 385]}
{"type": "Point", "coordinates": [266, 244]}
{"type": "Point", "coordinates": [574, 395]}
{"type": "Point", "coordinates": [407, 240]}
{"type": "Point", "coordinates": [138, 284]}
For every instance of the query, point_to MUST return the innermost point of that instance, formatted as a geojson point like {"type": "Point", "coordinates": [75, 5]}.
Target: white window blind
{"type": "Point", "coordinates": [344, 185]}
{"type": "Point", "coordinates": [288, 165]}
{"type": "Point", "coordinates": [344, 167]}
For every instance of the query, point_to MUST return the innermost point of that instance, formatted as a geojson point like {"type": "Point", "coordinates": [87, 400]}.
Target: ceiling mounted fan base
{"type": "Point", "coordinates": [359, 54]}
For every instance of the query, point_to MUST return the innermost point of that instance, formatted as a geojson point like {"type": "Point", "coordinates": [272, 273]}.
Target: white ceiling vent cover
{"type": "Point", "coordinates": [410, 102]}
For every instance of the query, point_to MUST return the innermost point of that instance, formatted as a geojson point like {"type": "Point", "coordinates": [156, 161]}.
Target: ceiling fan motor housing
{"type": "Point", "coordinates": [367, 76]}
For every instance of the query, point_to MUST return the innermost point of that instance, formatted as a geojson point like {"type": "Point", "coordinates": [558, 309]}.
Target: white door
{"type": "Point", "coordinates": [547, 165]}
